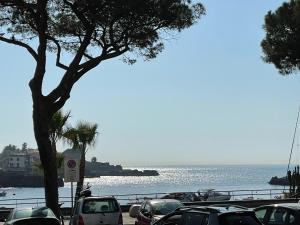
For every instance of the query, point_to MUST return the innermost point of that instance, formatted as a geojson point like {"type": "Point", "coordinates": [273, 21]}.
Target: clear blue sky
{"type": "Point", "coordinates": [207, 99]}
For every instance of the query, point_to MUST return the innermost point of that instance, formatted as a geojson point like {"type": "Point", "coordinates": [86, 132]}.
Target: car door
{"type": "Point", "coordinates": [144, 217]}
{"type": "Point", "coordinates": [74, 218]}
{"type": "Point", "coordinates": [194, 218]}
{"type": "Point", "coordinates": [170, 219]}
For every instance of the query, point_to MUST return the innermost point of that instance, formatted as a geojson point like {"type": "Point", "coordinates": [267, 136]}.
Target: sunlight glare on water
{"type": "Point", "coordinates": [171, 179]}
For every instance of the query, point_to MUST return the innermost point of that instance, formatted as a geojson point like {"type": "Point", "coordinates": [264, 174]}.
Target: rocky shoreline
{"type": "Point", "coordinates": [9, 179]}
{"type": "Point", "coordinates": [283, 181]}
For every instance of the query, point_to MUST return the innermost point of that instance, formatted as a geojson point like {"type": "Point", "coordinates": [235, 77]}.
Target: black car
{"type": "Point", "coordinates": [32, 216]}
{"type": "Point", "coordinates": [210, 215]}
{"type": "Point", "coordinates": [279, 214]}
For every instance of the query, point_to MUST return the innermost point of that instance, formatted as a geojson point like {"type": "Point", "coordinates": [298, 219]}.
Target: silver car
{"type": "Point", "coordinates": [97, 211]}
{"type": "Point", "coordinates": [32, 216]}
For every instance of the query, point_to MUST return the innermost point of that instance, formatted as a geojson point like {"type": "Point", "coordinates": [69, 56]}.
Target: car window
{"type": "Point", "coordinates": [278, 216]}
{"type": "Point", "coordinates": [205, 220]}
{"type": "Point", "coordinates": [100, 206]}
{"type": "Point", "coordinates": [22, 214]}
{"type": "Point", "coordinates": [147, 208]}
{"type": "Point", "coordinates": [238, 219]}
{"type": "Point", "coordinates": [164, 208]}
{"type": "Point", "coordinates": [10, 215]}
{"type": "Point", "coordinates": [142, 208]}
{"type": "Point", "coordinates": [260, 214]}
{"type": "Point", "coordinates": [290, 218]}
{"type": "Point", "coordinates": [191, 218]}
{"type": "Point", "coordinates": [40, 212]}
{"type": "Point", "coordinates": [171, 220]}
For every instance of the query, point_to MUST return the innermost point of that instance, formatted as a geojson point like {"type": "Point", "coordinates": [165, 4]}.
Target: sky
{"type": "Point", "coordinates": [208, 98]}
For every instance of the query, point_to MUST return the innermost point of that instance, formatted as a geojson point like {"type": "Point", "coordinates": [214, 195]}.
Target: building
{"type": "Point", "coordinates": [21, 162]}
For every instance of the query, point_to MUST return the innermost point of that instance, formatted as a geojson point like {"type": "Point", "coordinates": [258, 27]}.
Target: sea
{"type": "Point", "coordinates": [171, 179]}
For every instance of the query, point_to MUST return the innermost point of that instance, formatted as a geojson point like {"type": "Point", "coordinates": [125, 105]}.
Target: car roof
{"type": "Point", "coordinates": [99, 197]}
{"type": "Point", "coordinates": [294, 206]}
{"type": "Point", "coordinates": [159, 200]}
{"type": "Point", "coordinates": [215, 208]}
{"type": "Point", "coordinates": [31, 208]}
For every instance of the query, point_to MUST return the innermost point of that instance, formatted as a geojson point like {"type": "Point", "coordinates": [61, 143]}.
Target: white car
{"type": "Point", "coordinates": [39, 215]}
{"type": "Point", "coordinates": [97, 210]}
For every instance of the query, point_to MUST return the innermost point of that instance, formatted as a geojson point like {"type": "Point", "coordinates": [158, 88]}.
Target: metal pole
{"type": "Point", "coordinates": [71, 196]}
{"type": "Point", "coordinates": [295, 130]}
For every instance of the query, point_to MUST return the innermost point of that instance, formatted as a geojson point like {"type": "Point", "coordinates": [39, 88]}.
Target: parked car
{"type": "Point", "coordinates": [151, 210]}
{"type": "Point", "coordinates": [32, 216]}
{"type": "Point", "coordinates": [97, 210]}
{"type": "Point", "coordinates": [134, 210]}
{"type": "Point", "coordinates": [279, 214]}
{"type": "Point", "coordinates": [210, 215]}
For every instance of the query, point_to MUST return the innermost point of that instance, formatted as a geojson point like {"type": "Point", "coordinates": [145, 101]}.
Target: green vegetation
{"type": "Point", "coordinates": [281, 44]}
{"type": "Point", "coordinates": [81, 138]}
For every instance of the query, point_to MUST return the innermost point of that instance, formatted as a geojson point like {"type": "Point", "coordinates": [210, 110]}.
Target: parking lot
{"type": "Point", "coordinates": [127, 220]}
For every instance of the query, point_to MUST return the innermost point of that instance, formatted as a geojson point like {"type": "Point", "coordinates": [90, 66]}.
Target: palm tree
{"type": "Point", "coordinates": [56, 127]}
{"type": "Point", "coordinates": [56, 130]}
{"type": "Point", "coordinates": [81, 137]}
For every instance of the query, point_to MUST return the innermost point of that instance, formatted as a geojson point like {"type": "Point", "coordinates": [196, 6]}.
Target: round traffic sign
{"type": "Point", "coordinates": [71, 163]}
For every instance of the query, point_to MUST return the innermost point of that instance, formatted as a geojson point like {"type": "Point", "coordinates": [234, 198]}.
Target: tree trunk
{"type": "Point", "coordinates": [41, 118]}
{"type": "Point", "coordinates": [81, 174]}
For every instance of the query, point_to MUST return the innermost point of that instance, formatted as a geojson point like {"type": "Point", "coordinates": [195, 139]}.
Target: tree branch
{"type": "Point", "coordinates": [80, 16]}
{"type": "Point", "coordinates": [60, 103]}
{"type": "Point", "coordinates": [88, 56]}
{"type": "Point", "coordinates": [19, 43]}
{"type": "Point", "coordinates": [87, 66]}
{"type": "Point", "coordinates": [18, 3]}
{"type": "Point", "coordinates": [58, 63]}
{"type": "Point", "coordinates": [63, 89]}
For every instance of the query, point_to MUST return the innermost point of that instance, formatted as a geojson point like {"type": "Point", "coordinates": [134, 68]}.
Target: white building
{"type": "Point", "coordinates": [18, 162]}
{"type": "Point", "coordinates": [22, 161]}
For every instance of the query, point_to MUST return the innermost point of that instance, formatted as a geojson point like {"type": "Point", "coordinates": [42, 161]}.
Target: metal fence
{"type": "Point", "coordinates": [139, 197]}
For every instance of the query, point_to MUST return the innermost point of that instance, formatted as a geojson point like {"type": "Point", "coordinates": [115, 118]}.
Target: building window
{"type": "Point", "coordinates": [17, 159]}
{"type": "Point", "coordinates": [17, 164]}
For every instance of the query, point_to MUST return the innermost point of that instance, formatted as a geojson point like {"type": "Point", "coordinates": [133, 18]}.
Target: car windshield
{"type": "Point", "coordinates": [238, 219]}
{"type": "Point", "coordinates": [38, 212]}
{"type": "Point", "coordinates": [164, 208]}
{"type": "Point", "coordinates": [100, 206]}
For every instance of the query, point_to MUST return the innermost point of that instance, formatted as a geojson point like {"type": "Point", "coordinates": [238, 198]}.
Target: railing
{"type": "Point", "coordinates": [139, 197]}
{"type": "Point", "coordinates": [235, 195]}
{"type": "Point", "coordinates": [30, 202]}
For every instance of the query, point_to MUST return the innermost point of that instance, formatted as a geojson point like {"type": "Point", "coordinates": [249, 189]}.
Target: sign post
{"type": "Point", "coordinates": [71, 167]}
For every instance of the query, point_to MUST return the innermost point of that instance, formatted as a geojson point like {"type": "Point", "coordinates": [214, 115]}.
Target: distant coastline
{"type": "Point", "coordinates": [97, 169]}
